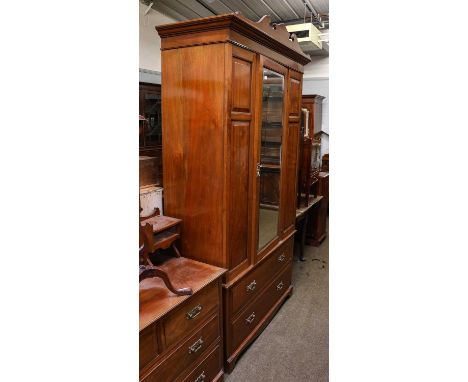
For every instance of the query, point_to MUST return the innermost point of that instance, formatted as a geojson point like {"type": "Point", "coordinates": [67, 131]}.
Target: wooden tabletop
{"type": "Point", "coordinates": [312, 202]}
{"type": "Point", "coordinates": [160, 223]}
{"type": "Point", "coordinates": [156, 300]}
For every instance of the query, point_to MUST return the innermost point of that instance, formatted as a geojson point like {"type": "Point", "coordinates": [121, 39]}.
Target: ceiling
{"type": "Point", "coordinates": [281, 11]}
{"type": "Point", "coordinates": [284, 11]}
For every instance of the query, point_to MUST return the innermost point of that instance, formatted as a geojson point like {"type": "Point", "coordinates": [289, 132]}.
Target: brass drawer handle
{"type": "Point", "coordinates": [194, 312]}
{"type": "Point", "coordinates": [251, 318]}
{"type": "Point", "coordinates": [281, 257]}
{"type": "Point", "coordinates": [280, 286]}
{"type": "Point", "coordinates": [201, 377]}
{"type": "Point", "coordinates": [251, 286]}
{"type": "Point", "coordinates": [196, 346]}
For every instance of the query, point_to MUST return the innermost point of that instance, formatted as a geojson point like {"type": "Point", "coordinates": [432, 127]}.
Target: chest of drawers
{"type": "Point", "coordinates": [251, 301]}
{"type": "Point", "coordinates": [181, 336]}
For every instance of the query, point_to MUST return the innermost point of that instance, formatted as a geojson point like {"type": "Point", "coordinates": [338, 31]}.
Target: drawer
{"type": "Point", "coordinates": [258, 309]}
{"type": "Point", "coordinates": [186, 354]}
{"type": "Point", "coordinates": [208, 369]}
{"type": "Point", "coordinates": [254, 282]}
{"type": "Point", "coordinates": [189, 315]}
{"type": "Point", "coordinates": [148, 345]}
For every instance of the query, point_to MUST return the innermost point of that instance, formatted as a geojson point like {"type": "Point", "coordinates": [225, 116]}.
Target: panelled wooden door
{"type": "Point", "coordinates": [292, 130]}
{"type": "Point", "coordinates": [239, 149]}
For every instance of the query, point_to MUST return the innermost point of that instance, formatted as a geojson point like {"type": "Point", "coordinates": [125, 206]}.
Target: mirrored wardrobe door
{"type": "Point", "coordinates": [269, 165]}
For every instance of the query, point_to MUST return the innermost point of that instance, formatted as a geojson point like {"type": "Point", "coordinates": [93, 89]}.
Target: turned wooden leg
{"type": "Point", "coordinates": [156, 272]}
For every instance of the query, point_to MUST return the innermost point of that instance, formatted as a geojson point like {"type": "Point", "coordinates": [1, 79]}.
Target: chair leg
{"type": "Point", "coordinates": [175, 250]}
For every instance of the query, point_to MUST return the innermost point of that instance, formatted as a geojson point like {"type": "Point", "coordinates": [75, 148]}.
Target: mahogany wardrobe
{"type": "Point", "coordinates": [231, 105]}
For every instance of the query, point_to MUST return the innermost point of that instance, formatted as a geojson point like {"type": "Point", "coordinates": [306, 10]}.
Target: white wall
{"type": "Point", "coordinates": [318, 67]}
{"type": "Point", "coordinates": [150, 44]}
{"type": "Point", "coordinates": [316, 81]}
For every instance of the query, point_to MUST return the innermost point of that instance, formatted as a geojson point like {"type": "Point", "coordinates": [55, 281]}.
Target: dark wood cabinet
{"type": "Point", "coordinates": [181, 336]}
{"type": "Point", "coordinates": [232, 98]}
{"type": "Point", "coordinates": [151, 135]}
{"type": "Point", "coordinates": [317, 224]}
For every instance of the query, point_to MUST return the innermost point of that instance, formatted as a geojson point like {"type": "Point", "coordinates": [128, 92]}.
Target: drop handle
{"type": "Point", "coordinates": [251, 287]}
{"type": "Point", "coordinates": [280, 286]}
{"type": "Point", "coordinates": [201, 377]}
{"type": "Point", "coordinates": [281, 258]}
{"type": "Point", "coordinates": [194, 312]}
{"type": "Point", "coordinates": [251, 318]}
{"type": "Point", "coordinates": [196, 346]}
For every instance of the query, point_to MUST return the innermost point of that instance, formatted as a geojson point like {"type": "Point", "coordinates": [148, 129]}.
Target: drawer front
{"type": "Point", "coordinates": [254, 282]}
{"type": "Point", "coordinates": [189, 315]}
{"type": "Point", "coordinates": [208, 369]}
{"type": "Point", "coordinates": [186, 354]}
{"type": "Point", "coordinates": [257, 310]}
{"type": "Point", "coordinates": [148, 345]}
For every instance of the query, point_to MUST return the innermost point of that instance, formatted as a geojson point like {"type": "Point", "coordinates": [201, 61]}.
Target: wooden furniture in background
{"type": "Point", "coordinates": [156, 233]}
{"type": "Point", "coordinates": [317, 224]}
{"type": "Point", "coordinates": [324, 187]}
{"type": "Point", "coordinates": [313, 103]}
{"type": "Point", "coordinates": [151, 136]}
{"type": "Point", "coordinates": [325, 163]}
{"type": "Point", "coordinates": [304, 171]}
{"type": "Point", "coordinates": [181, 336]}
{"type": "Point", "coordinates": [302, 221]}
{"type": "Point", "coordinates": [232, 97]}
{"type": "Point", "coordinates": [308, 167]}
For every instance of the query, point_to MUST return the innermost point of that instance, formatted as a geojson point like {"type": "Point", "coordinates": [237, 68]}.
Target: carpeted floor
{"type": "Point", "coordinates": [294, 347]}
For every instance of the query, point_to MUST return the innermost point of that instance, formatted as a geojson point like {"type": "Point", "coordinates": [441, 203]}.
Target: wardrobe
{"type": "Point", "coordinates": [231, 105]}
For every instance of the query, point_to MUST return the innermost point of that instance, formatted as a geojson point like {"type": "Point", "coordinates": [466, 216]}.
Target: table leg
{"type": "Point", "coordinates": [303, 235]}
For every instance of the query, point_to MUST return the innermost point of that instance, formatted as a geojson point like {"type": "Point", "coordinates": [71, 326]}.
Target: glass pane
{"type": "Point", "coordinates": [270, 156]}
{"type": "Point", "coordinates": [152, 110]}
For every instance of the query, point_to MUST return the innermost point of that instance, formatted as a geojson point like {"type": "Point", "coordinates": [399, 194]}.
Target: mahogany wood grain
{"type": "Point", "coordinates": [231, 360]}
{"type": "Point", "coordinates": [255, 281]}
{"type": "Point", "coordinates": [294, 85]}
{"type": "Point", "coordinates": [194, 92]}
{"type": "Point", "coordinates": [164, 336]}
{"type": "Point", "coordinates": [186, 353]}
{"type": "Point", "coordinates": [254, 313]}
{"type": "Point", "coordinates": [209, 367]}
{"type": "Point", "coordinates": [156, 300]}
{"type": "Point", "coordinates": [149, 347]}
{"type": "Point", "coordinates": [272, 37]}
{"type": "Point", "coordinates": [212, 71]}
{"type": "Point", "coordinates": [241, 84]}
{"type": "Point", "coordinates": [190, 314]}
{"type": "Point", "coordinates": [238, 146]}
{"type": "Point", "coordinates": [238, 149]}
